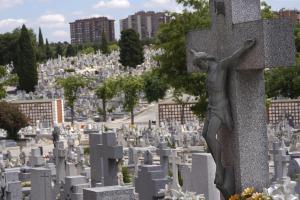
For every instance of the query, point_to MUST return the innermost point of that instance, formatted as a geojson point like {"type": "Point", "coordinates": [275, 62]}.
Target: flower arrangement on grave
{"type": "Point", "coordinates": [250, 194]}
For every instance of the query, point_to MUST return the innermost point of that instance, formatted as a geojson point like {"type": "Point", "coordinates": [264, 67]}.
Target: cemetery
{"type": "Point", "coordinates": [162, 150]}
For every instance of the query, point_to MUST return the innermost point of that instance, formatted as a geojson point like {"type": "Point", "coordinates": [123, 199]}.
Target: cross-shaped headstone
{"type": "Point", "coordinates": [281, 160]}
{"type": "Point", "coordinates": [164, 152]}
{"type": "Point", "coordinates": [96, 161]}
{"type": "Point", "coordinates": [59, 153]}
{"type": "Point", "coordinates": [175, 162]}
{"type": "Point", "coordinates": [110, 152]}
{"type": "Point", "coordinates": [234, 22]}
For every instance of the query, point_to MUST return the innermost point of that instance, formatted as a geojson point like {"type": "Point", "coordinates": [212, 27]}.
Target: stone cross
{"type": "Point", "coordinates": [96, 161]}
{"type": "Point", "coordinates": [164, 152]}
{"type": "Point", "coordinates": [233, 22]}
{"type": "Point", "coordinates": [110, 152]}
{"type": "Point", "coordinates": [175, 161]}
{"type": "Point", "coordinates": [281, 161]}
{"type": "Point", "coordinates": [59, 153]}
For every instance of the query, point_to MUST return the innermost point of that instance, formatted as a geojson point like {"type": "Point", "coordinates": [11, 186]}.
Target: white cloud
{"type": "Point", "coordinates": [112, 4]}
{"type": "Point", "coordinates": [170, 5]}
{"type": "Point", "coordinates": [10, 24]}
{"type": "Point", "coordinates": [161, 1]}
{"type": "Point", "coordinates": [52, 20]}
{"type": "Point", "coordinates": [60, 34]}
{"type": "Point", "coordinates": [10, 3]}
{"type": "Point", "coordinates": [96, 16]}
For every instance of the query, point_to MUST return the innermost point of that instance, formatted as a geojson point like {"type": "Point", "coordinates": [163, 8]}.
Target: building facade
{"type": "Point", "coordinates": [90, 30]}
{"type": "Point", "coordinates": [145, 23]}
{"type": "Point", "coordinates": [47, 112]}
{"type": "Point", "coordinates": [294, 15]}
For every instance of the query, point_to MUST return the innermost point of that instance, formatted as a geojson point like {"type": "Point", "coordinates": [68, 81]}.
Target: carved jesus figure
{"type": "Point", "coordinates": [219, 112]}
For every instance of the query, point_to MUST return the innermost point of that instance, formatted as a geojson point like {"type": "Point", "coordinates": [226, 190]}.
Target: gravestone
{"type": "Point", "coordinates": [281, 161]}
{"type": "Point", "coordinates": [175, 162]}
{"type": "Point", "coordinates": [164, 152]}
{"type": "Point", "coordinates": [130, 156]}
{"type": "Point", "coordinates": [185, 170]}
{"type": "Point", "coordinates": [59, 153]}
{"type": "Point", "coordinates": [73, 187]}
{"type": "Point", "coordinates": [41, 184]}
{"type": "Point", "coordinates": [71, 169]}
{"type": "Point", "coordinates": [202, 181]}
{"type": "Point", "coordinates": [12, 185]}
{"type": "Point", "coordinates": [36, 159]}
{"type": "Point", "coordinates": [234, 22]}
{"type": "Point", "coordinates": [110, 152]}
{"type": "Point", "coordinates": [150, 181]}
{"type": "Point", "coordinates": [95, 160]}
{"type": "Point", "coordinates": [148, 158]}
{"type": "Point", "coordinates": [109, 193]}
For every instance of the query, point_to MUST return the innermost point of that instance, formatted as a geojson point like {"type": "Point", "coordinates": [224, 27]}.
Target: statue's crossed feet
{"type": "Point", "coordinates": [225, 182]}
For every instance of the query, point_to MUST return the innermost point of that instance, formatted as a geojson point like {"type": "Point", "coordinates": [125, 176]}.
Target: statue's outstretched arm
{"type": "Point", "coordinates": [231, 61]}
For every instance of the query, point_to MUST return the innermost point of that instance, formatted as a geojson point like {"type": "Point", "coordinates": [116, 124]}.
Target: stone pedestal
{"type": "Point", "coordinates": [108, 193]}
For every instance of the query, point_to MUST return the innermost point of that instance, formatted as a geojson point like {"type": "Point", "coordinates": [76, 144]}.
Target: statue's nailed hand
{"type": "Point", "coordinates": [249, 43]}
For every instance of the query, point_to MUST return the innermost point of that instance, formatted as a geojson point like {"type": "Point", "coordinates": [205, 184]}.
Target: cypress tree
{"type": "Point", "coordinates": [131, 49]}
{"type": "Point", "coordinates": [104, 45]}
{"type": "Point", "coordinates": [58, 50]}
{"type": "Point", "coordinates": [26, 65]}
{"type": "Point", "coordinates": [48, 50]}
{"type": "Point", "coordinates": [70, 51]}
{"type": "Point", "coordinates": [41, 40]}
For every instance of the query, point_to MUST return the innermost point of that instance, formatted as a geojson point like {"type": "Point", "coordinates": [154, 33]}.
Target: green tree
{"type": "Point", "coordinates": [12, 119]}
{"type": "Point", "coordinates": [126, 175]}
{"type": "Point", "coordinates": [9, 43]}
{"type": "Point", "coordinates": [6, 79]}
{"type": "Point", "coordinates": [173, 44]}
{"type": "Point", "coordinates": [267, 12]}
{"type": "Point", "coordinates": [72, 86]}
{"type": "Point", "coordinates": [48, 52]}
{"type": "Point", "coordinates": [70, 52]}
{"type": "Point", "coordinates": [41, 39]}
{"type": "Point", "coordinates": [131, 49]}
{"type": "Point", "coordinates": [59, 50]}
{"type": "Point", "coordinates": [88, 50]}
{"type": "Point", "coordinates": [26, 66]}
{"type": "Point", "coordinates": [104, 45]}
{"type": "Point", "coordinates": [106, 91]}
{"type": "Point", "coordinates": [297, 37]}
{"type": "Point", "coordinates": [155, 86]}
{"type": "Point", "coordinates": [131, 86]}
{"type": "Point", "coordinates": [284, 82]}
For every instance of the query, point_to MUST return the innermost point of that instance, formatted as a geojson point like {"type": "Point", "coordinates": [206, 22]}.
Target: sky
{"type": "Point", "coordinates": [54, 16]}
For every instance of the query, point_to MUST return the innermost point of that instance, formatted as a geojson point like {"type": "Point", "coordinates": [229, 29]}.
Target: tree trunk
{"type": "Point", "coordinates": [132, 116]}
{"type": "Point", "coordinates": [72, 115]}
{"type": "Point", "coordinates": [104, 110]}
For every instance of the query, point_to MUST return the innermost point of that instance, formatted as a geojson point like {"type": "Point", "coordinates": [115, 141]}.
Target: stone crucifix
{"type": "Point", "coordinates": [235, 52]}
{"type": "Point", "coordinates": [110, 152]}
